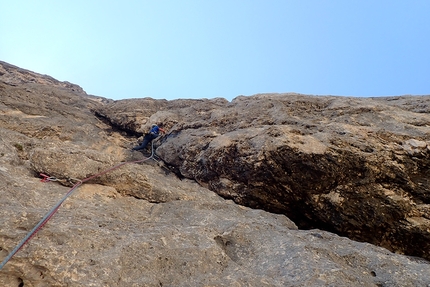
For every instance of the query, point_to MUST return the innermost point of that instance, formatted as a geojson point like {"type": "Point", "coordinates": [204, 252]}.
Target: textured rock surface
{"type": "Point", "coordinates": [356, 166]}
{"type": "Point", "coordinates": [142, 225]}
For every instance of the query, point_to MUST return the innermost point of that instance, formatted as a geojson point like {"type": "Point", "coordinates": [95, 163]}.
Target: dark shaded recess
{"type": "Point", "coordinates": [287, 167]}
{"type": "Point", "coordinates": [421, 179]}
{"type": "Point", "coordinates": [116, 127]}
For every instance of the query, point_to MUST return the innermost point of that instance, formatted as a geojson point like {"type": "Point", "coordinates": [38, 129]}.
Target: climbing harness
{"type": "Point", "coordinates": [45, 219]}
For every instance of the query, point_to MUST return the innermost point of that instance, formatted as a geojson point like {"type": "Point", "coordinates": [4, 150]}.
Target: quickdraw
{"type": "Point", "coordinates": [44, 220]}
{"type": "Point", "coordinates": [47, 178]}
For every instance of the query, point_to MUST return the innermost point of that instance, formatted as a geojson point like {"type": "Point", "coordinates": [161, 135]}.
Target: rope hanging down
{"type": "Point", "coordinates": [48, 216]}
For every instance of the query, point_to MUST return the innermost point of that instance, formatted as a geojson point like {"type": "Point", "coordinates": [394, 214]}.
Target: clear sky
{"type": "Point", "coordinates": [169, 49]}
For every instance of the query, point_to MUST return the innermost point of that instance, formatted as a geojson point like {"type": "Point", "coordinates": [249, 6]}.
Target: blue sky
{"type": "Point", "coordinates": [169, 49]}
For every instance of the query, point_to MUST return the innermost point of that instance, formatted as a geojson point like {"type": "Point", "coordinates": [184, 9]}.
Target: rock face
{"type": "Point", "coordinates": [355, 166]}
{"type": "Point", "coordinates": [215, 213]}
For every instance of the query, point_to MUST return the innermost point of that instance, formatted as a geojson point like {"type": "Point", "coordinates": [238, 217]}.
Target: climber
{"type": "Point", "coordinates": [151, 135]}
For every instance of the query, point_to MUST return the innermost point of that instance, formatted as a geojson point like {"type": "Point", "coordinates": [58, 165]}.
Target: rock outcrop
{"type": "Point", "coordinates": [215, 214]}
{"type": "Point", "coordinates": [358, 167]}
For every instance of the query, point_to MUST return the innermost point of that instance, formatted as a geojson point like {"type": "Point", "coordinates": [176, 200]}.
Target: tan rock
{"type": "Point", "coordinates": [329, 162]}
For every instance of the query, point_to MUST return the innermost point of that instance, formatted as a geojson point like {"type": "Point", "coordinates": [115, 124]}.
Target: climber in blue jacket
{"type": "Point", "coordinates": [153, 133]}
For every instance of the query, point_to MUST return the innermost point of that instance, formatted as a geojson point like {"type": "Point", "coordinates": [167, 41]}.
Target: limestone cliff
{"type": "Point", "coordinates": [214, 210]}
{"type": "Point", "coordinates": [358, 167]}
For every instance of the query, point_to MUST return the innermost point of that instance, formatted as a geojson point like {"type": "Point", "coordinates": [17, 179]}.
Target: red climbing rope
{"type": "Point", "coordinates": [48, 216]}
